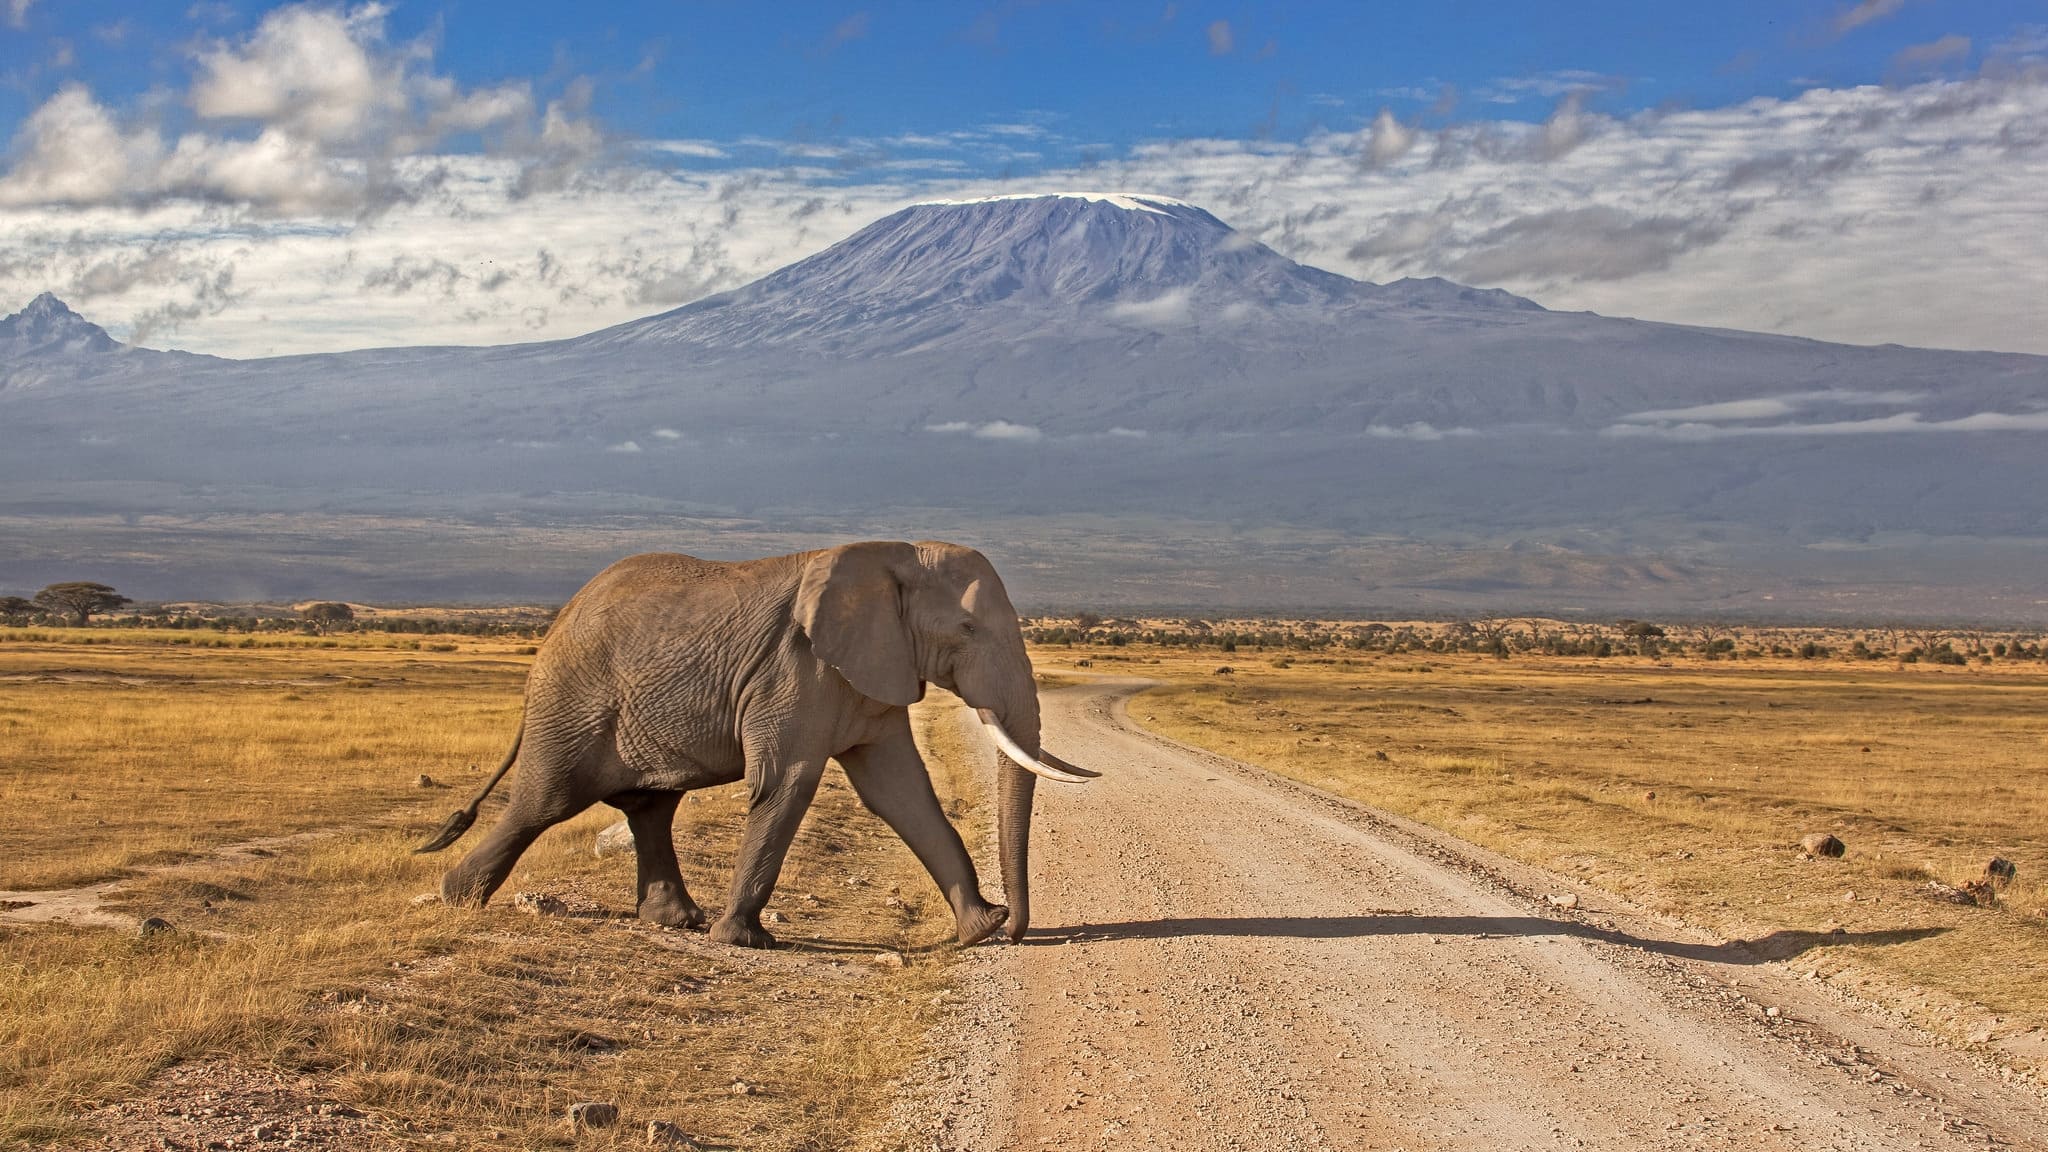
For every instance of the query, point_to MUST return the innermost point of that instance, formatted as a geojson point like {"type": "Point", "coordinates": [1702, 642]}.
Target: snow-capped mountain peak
{"type": "Point", "coordinates": [1004, 266]}
{"type": "Point", "coordinates": [1129, 201]}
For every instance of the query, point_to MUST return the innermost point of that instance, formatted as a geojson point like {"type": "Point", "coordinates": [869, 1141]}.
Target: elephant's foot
{"type": "Point", "coordinates": [980, 922]}
{"type": "Point", "coordinates": [672, 911]}
{"type": "Point", "coordinates": [741, 934]}
{"type": "Point", "coordinates": [458, 890]}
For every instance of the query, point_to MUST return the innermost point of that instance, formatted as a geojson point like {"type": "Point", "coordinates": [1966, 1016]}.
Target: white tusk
{"type": "Point", "coordinates": [1066, 765]}
{"type": "Point", "coordinates": [1024, 759]}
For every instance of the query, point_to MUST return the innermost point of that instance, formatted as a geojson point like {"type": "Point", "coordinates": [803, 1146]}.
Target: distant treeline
{"type": "Point", "coordinates": [323, 619]}
{"type": "Point", "coordinates": [1505, 638]}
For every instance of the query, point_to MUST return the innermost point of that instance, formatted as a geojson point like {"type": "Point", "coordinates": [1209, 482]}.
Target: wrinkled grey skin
{"type": "Point", "coordinates": [668, 673]}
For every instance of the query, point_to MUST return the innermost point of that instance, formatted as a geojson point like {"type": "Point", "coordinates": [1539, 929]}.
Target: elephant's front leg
{"type": "Point", "coordinates": [781, 794]}
{"type": "Point", "coordinates": [890, 778]}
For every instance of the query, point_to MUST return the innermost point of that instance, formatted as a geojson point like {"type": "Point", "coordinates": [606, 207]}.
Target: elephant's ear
{"type": "Point", "coordinates": [851, 606]}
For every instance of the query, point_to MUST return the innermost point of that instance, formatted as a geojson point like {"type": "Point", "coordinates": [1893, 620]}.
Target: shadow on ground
{"type": "Point", "coordinates": [1779, 945]}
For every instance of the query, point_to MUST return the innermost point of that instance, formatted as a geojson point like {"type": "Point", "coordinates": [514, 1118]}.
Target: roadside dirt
{"type": "Point", "coordinates": [1227, 960]}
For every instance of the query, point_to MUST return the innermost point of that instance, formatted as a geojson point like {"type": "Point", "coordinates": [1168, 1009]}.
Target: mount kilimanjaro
{"type": "Point", "coordinates": [1127, 400]}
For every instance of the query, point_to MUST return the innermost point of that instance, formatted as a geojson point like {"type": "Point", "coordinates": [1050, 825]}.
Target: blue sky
{"type": "Point", "coordinates": [251, 178]}
{"type": "Point", "coordinates": [1101, 76]}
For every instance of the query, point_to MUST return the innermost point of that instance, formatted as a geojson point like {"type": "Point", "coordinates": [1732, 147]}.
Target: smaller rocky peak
{"type": "Point", "coordinates": [48, 327]}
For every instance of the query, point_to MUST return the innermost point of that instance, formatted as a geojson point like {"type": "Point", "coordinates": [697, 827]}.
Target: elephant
{"type": "Point", "coordinates": [667, 673]}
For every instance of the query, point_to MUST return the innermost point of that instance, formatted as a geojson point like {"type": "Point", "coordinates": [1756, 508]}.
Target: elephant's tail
{"type": "Point", "coordinates": [459, 822]}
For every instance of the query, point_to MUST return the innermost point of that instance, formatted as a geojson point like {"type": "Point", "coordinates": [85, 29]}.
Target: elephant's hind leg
{"type": "Point", "coordinates": [550, 788]}
{"type": "Point", "coordinates": [662, 898]}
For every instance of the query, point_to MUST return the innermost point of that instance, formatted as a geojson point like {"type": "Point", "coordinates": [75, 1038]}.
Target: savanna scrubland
{"type": "Point", "coordinates": [1674, 769]}
{"type": "Point", "coordinates": [138, 755]}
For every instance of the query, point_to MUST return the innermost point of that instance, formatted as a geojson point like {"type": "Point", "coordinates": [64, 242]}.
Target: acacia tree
{"type": "Point", "coordinates": [328, 612]}
{"type": "Point", "coordinates": [79, 599]}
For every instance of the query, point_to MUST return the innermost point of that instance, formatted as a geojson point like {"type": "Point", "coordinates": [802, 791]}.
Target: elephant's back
{"type": "Point", "coordinates": [653, 606]}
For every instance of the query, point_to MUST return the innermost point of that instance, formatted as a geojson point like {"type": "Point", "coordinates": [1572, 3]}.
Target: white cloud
{"type": "Point", "coordinates": [70, 151]}
{"type": "Point", "coordinates": [1566, 129]}
{"type": "Point", "coordinates": [311, 114]}
{"type": "Point", "coordinates": [1897, 423]}
{"type": "Point", "coordinates": [993, 430]}
{"type": "Point", "coordinates": [1769, 407]}
{"type": "Point", "coordinates": [1388, 140]}
{"type": "Point", "coordinates": [307, 71]}
{"type": "Point", "coordinates": [1004, 430]}
{"type": "Point", "coordinates": [697, 149]}
{"type": "Point", "coordinates": [1420, 430]}
{"type": "Point", "coordinates": [1166, 310]}
{"type": "Point", "coordinates": [1865, 12]}
{"type": "Point", "coordinates": [1939, 51]}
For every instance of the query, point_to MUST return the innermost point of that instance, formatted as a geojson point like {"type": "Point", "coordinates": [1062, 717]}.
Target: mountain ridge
{"type": "Point", "coordinates": [1114, 361]}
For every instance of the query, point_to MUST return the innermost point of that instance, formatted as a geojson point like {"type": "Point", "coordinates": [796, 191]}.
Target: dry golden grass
{"type": "Point", "coordinates": [1925, 773]}
{"type": "Point", "coordinates": [442, 1022]}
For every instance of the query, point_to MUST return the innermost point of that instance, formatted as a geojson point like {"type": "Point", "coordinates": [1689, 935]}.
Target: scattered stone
{"type": "Point", "coordinates": [1823, 844]}
{"type": "Point", "coordinates": [426, 781]}
{"type": "Point", "coordinates": [613, 841]}
{"type": "Point", "coordinates": [1982, 891]}
{"type": "Point", "coordinates": [593, 1114]}
{"type": "Point", "coordinates": [887, 960]}
{"type": "Point", "coordinates": [662, 1134]}
{"type": "Point", "coordinates": [539, 904]}
{"type": "Point", "coordinates": [155, 925]}
{"type": "Point", "coordinates": [1568, 900]}
{"type": "Point", "coordinates": [427, 898]}
{"type": "Point", "coordinates": [1950, 894]}
{"type": "Point", "coordinates": [2000, 872]}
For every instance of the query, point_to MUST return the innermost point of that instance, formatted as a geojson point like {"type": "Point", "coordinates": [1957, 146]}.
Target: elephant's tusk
{"type": "Point", "coordinates": [1024, 759]}
{"type": "Point", "coordinates": [1066, 765]}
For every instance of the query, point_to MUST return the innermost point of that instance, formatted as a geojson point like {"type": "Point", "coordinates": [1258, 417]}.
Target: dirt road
{"type": "Point", "coordinates": [1227, 960]}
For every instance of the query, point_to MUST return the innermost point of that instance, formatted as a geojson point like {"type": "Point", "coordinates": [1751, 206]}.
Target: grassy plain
{"type": "Point", "coordinates": [139, 755]}
{"type": "Point", "coordinates": [1686, 785]}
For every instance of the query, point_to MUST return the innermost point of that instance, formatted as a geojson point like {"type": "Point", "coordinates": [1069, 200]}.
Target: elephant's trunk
{"type": "Point", "coordinates": [1021, 760]}
{"type": "Point", "coordinates": [1015, 788]}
